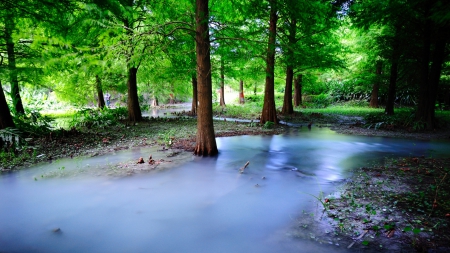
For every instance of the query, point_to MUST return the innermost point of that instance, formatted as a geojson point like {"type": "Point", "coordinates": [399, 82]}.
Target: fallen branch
{"type": "Point", "coordinates": [241, 170]}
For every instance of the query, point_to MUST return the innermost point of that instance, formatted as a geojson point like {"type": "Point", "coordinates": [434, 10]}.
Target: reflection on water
{"type": "Point", "coordinates": [205, 205]}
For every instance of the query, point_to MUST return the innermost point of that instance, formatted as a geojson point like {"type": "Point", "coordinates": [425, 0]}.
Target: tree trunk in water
{"type": "Point", "coordinates": [134, 111]}
{"type": "Point", "coordinates": [269, 112]}
{"type": "Point", "coordinates": [298, 90]}
{"type": "Point", "coordinates": [194, 96]}
{"type": "Point", "coordinates": [389, 110]}
{"type": "Point", "coordinates": [222, 84]}
{"type": "Point", "coordinates": [13, 77]}
{"type": "Point", "coordinates": [206, 140]}
{"type": "Point", "coordinates": [98, 86]}
{"type": "Point", "coordinates": [5, 115]}
{"type": "Point", "coordinates": [376, 86]}
{"type": "Point", "coordinates": [241, 92]}
{"type": "Point", "coordinates": [287, 103]}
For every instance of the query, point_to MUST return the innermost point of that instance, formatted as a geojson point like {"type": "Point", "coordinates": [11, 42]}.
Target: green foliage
{"type": "Point", "coordinates": [401, 119]}
{"type": "Point", "coordinates": [33, 123]}
{"type": "Point", "coordinates": [269, 125]}
{"type": "Point", "coordinates": [98, 117]}
{"type": "Point", "coordinates": [319, 101]}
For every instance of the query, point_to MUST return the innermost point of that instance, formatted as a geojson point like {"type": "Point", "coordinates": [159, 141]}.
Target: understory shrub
{"type": "Point", "coordinates": [98, 117]}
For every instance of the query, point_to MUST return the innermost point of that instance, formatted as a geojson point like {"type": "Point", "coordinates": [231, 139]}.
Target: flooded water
{"type": "Point", "coordinates": [204, 205]}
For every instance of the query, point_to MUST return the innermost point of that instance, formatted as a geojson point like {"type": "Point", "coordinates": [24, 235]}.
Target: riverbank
{"type": "Point", "coordinates": [372, 211]}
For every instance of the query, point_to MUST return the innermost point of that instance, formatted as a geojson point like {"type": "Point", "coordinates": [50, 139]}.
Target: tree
{"type": "Point", "coordinates": [298, 90]}
{"type": "Point", "coordinates": [435, 26]}
{"type": "Point", "coordinates": [206, 141]}
{"type": "Point", "coordinates": [376, 86]}
{"type": "Point", "coordinates": [269, 112]}
{"type": "Point", "coordinates": [241, 92]}
{"type": "Point", "coordinates": [5, 115]}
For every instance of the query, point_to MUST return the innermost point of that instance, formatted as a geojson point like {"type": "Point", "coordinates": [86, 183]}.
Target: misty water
{"type": "Point", "coordinates": [203, 205]}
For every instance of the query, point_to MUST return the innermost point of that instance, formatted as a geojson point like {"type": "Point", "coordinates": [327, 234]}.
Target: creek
{"type": "Point", "coordinates": [202, 205]}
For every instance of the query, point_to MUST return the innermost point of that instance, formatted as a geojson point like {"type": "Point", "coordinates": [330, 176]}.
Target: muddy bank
{"type": "Point", "coordinates": [402, 205]}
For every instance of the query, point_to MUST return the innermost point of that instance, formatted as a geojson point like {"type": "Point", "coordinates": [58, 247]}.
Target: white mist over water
{"type": "Point", "coordinates": [205, 205]}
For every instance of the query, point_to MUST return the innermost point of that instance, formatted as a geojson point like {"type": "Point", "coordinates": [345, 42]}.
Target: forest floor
{"type": "Point", "coordinates": [402, 205]}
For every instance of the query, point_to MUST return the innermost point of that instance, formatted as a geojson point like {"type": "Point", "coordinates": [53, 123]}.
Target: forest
{"type": "Point", "coordinates": [386, 53]}
{"type": "Point", "coordinates": [307, 90]}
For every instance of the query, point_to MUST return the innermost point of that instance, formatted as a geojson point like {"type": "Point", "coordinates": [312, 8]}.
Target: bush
{"type": "Point", "coordinates": [98, 117]}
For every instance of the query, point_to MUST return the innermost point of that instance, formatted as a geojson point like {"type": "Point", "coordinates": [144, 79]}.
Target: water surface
{"type": "Point", "coordinates": [204, 205]}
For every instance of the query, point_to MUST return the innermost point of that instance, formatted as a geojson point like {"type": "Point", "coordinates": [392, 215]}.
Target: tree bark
{"type": "Point", "coordinates": [376, 86]}
{"type": "Point", "coordinates": [206, 141]}
{"type": "Point", "coordinates": [287, 103]}
{"type": "Point", "coordinates": [426, 110]}
{"type": "Point", "coordinates": [269, 112]}
{"type": "Point", "coordinates": [298, 90]}
{"type": "Point", "coordinates": [423, 96]}
{"type": "Point", "coordinates": [13, 76]}
{"type": "Point", "coordinates": [222, 83]}
{"type": "Point", "coordinates": [241, 92]}
{"type": "Point", "coordinates": [134, 111]}
{"type": "Point", "coordinates": [194, 96]}
{"type": "Point", "coordinates": [389, 110]}
{"type": "Point", "coordinates": [98, 86]}
{"type": "Point", "coordinates": [5, 115]}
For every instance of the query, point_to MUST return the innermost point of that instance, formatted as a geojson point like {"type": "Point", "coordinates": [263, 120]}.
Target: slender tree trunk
{"type": "Point", "coordinates": [376, 86]}
{"type": "Point", "coordinates": [222, 83]}
{"type": "Point", "coordinates": [98, 86]}
{"type": "Point", "coordinates": [389, 110]}
{"type": "Point", "coordinates": [241, 92]}
{"type": "Point", "coordinates": [287, 103]}
{"type": "Point", "coordinates": [155, 101]}
{"type": "Point", "coordinates": [298, 90]}
{"type": "Point", "coordinates": [5, 115]}
{"type": "Point", "coordinates": [194, 96]}
{"type": "Point", "coordinates": [206, 141]}
{"type": "Point", "coordinates": [269, 112]}
{"type": "Point", "coordinates": [13, 77]}
{"type": "Point", "coordinates": [134, 111]}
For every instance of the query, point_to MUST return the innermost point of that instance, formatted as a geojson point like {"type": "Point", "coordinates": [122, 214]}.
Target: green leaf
{"type": "Point", "coordinates": [407, 229]}
{"type": "Point", "coordinates": [416, 231]}
{"type": "Point", "coordinates": [365, 243]}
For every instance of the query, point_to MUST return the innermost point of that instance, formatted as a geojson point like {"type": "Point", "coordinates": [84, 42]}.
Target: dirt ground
{"type": "Point", "coordinates": [401, 205]}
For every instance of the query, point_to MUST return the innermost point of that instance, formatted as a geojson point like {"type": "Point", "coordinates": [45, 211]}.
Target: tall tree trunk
{"type": "Point", "coordinates": [13, 77]}
{"type": "Point", "coordinates": [389, 110]}
{"type": "Point", "coordinates": [298, 90]}
{"type": "Point", "coordinates": [194, 96]}
{"type": "Point", "coordinates": [269, 112]}
{"type": "Point", "coordinates": [206, 141]}
{"type": "Point", "coordinates": [241, 92]}
{"type": "Point", "coordinates": [98, 86]}
{"type": "Point", "coordinates": [287, 103]}
{"type": "Point", "coordinates": [222, 83]}
{"type": "Point", "coordinates": [5, 115]}
{"type": "Point", "coordinates": [423, 96]}
{"type": "Point", "coordinates": [134, 111]}
{"type": "Point", "coordinates": [376, 86]}
{"type": "Point", "coordinates": [428, 114]}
